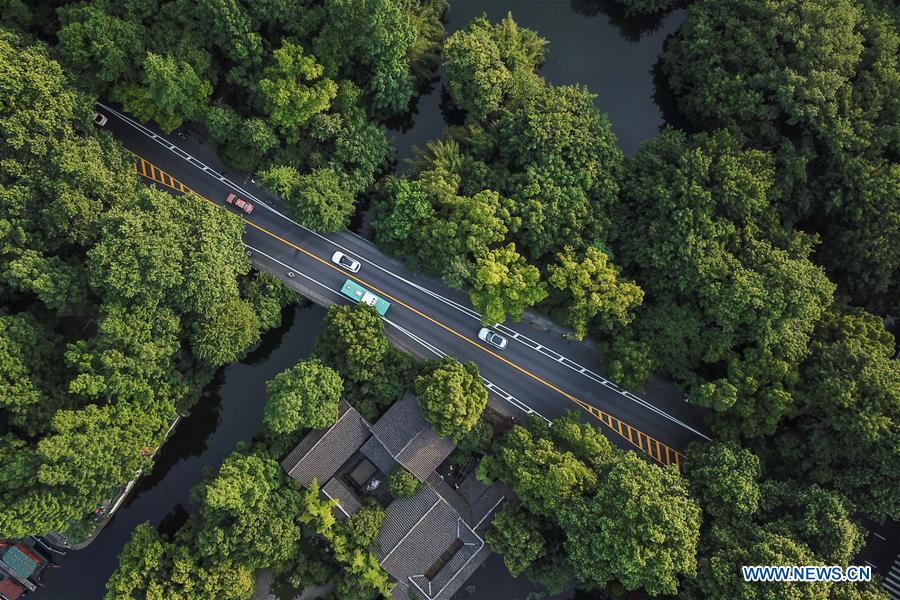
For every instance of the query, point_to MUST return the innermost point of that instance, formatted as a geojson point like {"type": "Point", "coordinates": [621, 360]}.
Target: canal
{"type": "Point", "coordinates": [590, 43]}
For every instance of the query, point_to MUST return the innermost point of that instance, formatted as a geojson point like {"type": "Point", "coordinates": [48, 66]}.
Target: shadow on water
{"type": "Point", "coordinates": [229, 411]}
{"type": "Point", "coordinates": [632, 28]}
{"type": "Point", "coordinates": [614, 57]}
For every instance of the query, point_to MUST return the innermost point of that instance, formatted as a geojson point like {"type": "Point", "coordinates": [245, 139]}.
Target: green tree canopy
{"type": "Point", "coordinates": [451, 395]}
{"type": "Point", "coordinates": [594, 291]}
{"type": "Point", "coordinates": [320, 200]}
{"type": "Point", "coordinates": [505, 284]}
{"type": "Point", "coordinates": [515, 535]}
{"type": "Point", "coordinates": [352, 341]}
{"type": "Point", "coordinates": [732, 296]}
{"type": "Point", "coordinates": [640, 528]}
{"type": "Point", "coordinates": [303, 396]}
{"type": "Point", "coordinates": [170, 92]}
{"type": "Point", "coordinates": [480, 58]}
{"type": "Point", "coordinates": [294, 89]}
{"type": "Point", "coordinates": [544, 477]}
{"type": "Point", "coordinates": [844, 431]}
{"type": "Point", "coordinates": [402, 483]}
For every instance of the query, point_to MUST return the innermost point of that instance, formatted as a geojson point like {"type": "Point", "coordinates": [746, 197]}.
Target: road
{"type": "Point", "coordinates": [538, 373]}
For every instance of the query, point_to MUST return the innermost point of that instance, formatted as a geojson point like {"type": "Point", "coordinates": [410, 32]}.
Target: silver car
{"type": "Point", "coordinates": [345, 262]}
{"type": "Point", "coordinates": [492, 337]}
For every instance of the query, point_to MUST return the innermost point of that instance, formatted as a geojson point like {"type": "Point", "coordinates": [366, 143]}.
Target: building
{"type": "Point", "coordinates": [431, 542]}
{"type": "Point", "coordinates": [20, 569]}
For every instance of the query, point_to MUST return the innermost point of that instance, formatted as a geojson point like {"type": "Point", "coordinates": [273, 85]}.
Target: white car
{"type": "Point", "coordinates": [99, 120]}
{"type": "Point", "coordinates": [492, 337]}
{"type": "Point", "coordinates": [345, 262]}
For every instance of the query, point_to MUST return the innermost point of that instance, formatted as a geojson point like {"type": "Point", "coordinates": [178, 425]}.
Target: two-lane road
{"type": "Point", "coordinates": [536, 373]}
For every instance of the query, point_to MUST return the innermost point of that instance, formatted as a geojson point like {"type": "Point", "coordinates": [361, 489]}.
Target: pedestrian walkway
{"type": "Point", "coordinates": [892, 581]}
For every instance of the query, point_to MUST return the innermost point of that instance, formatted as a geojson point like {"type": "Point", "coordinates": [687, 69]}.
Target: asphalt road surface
{"type": "Point", "coordinates": [539, 372]}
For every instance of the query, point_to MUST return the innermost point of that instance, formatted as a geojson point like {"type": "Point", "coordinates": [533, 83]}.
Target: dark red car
{"type": "Point", "coordinates": [245, 206]}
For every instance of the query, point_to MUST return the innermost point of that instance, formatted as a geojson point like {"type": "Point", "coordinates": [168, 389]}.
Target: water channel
{"type": "Point", "coordinates": [590, 43]}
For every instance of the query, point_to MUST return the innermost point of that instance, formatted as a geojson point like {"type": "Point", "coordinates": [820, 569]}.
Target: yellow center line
{"type": "Point", "coordinates": [614, 424]}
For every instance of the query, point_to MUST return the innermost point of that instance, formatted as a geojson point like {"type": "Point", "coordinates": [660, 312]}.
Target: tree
{"type": "Point", "coordinates": [371, 40]}
{"type": "Point", "coordinates": [515, 536]}
{"type": "Point", "coordinates": [593, 290]}
{"type": "Point", "coordinates": [480, 58]}
{"type": "Point", "coordinates": [170, 93]}
{"type": "Point", "coordinates": [226, 332]}
{"type": "Point", "coordinates": [724, 479]}
{"type": "Point", "coordinates": [98, 47]}
{"type": "Point", "coordinates": [544, 477]}
{"type": "Point", "coordinates": [30, 377]}
{"type": "Point", "coordinates": [844, 430]}
{"type": "Point", "coordinates": [748, 522]}
{"type": "Point", "coordinates": [817, 82]}
{"type": "Point", "coordinates": [640, 528]}
{"type": "Point", "coordinates": [734, 295]}
{"type": "Point", "coordinates": [306, 395]}
{"type": "Point", "coordinates": [289, 103]}
{"type": "Point", "coordinates": [505, 284]}
{"type": "Point", "coordinates": [152, 566]}
{"type": "Point", "coordinates": [320, 200]}
{"type": "Point", "coordinates": [451, 396]}
{"type": "Point", "coordinates": [402, 483]}
{"type": "Point", "coordinates": [352, 341]}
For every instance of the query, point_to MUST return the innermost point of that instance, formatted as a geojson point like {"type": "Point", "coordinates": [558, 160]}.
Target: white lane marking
{"type": "Point", "coordinates": [465, 310]}
{"type": "Point", "coordinates": [879, 536]}
{"type": "Point", "coordinates": [428, 345]}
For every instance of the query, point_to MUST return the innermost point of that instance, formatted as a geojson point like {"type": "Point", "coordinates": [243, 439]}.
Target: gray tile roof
{"type": "Point", "coordinates": [321, 453]}
{"type": "Point", "coordinates": [375, 451]}
{"type": "Point", "coordinates": [415, 534]}
{"type": "Point", "coordinates": [410, 439]}
{"type": "Point", "coordinates": [348, 503]}
{"type": "Point", "coordinates": [450, 496]}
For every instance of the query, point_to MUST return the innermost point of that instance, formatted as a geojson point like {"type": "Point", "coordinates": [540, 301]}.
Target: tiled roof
{"type": "Point", "coordinates": [321, 453]}
{"type": "Point", "coordinates": [410, 439]}
{"type": "Point", "coordinates": [416, 533]}
{"type": "Point", "coordinates": [375, 451]}
{"type": "Point", "coordinates": [451, 497]}
{"type": "Point", "coordinates": [402, 421]}
{"type": "Point", "coordinates": [20, 562]}
{"type": "Point", "coordinates": [335, 489]}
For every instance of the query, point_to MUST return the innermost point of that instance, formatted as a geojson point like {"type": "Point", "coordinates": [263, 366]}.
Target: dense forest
{"type": "Point", "coordinates": [751, 254]}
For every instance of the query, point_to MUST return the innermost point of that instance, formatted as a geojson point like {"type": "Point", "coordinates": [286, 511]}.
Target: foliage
{"type": "Point", "coordinates": [749, 522]}
{"type": "Point", "coordinates": [372, 38]}
{"type": "Point", "coordinates": [402, 483]}
{"type": "Point", "coordinates": [732, 294]}
{"type": "Point", "coordinates": [451, 396]}
{"type": "Point", "coordinates": [170, 92]}
{"type": "Point", "coordinates": [515, 536]}
{"type": "Point", "coordinates": [844, 431]}
{"type": "Point", "coordinates": [640, 528]}
{"type": "Point", "coordinates": [304, 396]}
{"type": "Point", "coordinates": [544, 477]}
{"type": "Point", "coordinates": [319, 200]}
{"type": "Point", "coordinates": [288, 102]}
{"type": "Point", "coordinates": [817, 82]}
{"type": "Point", "coordinates": [504, 283]}
{"type": "Point", "coordinates": [479, 61]}
{"type": "Point", "coordinates": [593, 290]}
{"type": "Point", "coordinates": [352, 341]}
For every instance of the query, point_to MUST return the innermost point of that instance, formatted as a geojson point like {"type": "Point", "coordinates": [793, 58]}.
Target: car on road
{"type": "Point", "coordinates": [345, 262]}
{"type": "Point", "coordinates": [243, 205]}
{"type": "Point", "coordinates": [99, 119]}
{"type": "Point", "coordinates": [492, 337]}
